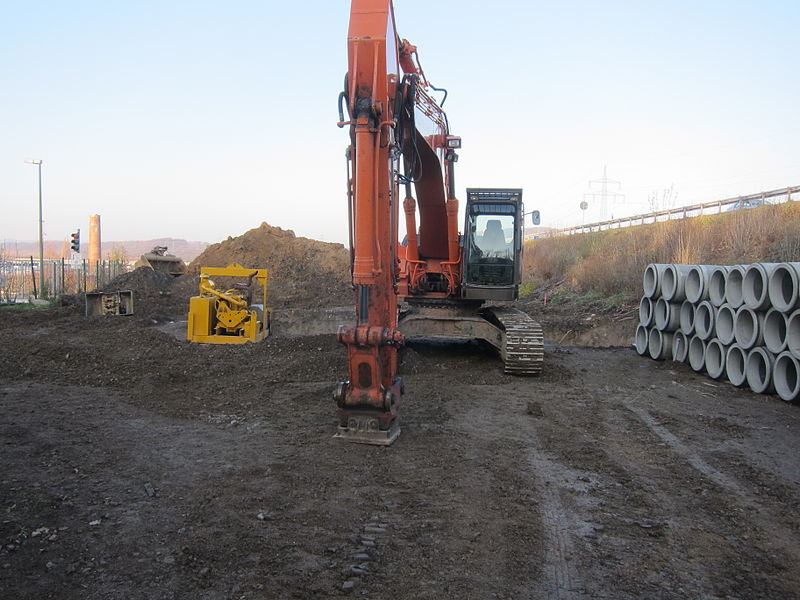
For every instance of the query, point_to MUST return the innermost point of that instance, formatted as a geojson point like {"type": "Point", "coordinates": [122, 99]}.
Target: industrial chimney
{"type": "Point", "coordinates": [94, 239]}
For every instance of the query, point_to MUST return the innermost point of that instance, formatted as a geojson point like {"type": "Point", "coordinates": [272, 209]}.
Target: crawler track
{"type": "Point", "coordinates": [523, 341]}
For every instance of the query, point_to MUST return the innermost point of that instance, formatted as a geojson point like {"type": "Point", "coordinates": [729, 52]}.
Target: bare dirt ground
{"type": "Point", "coordinates": [136, 465]}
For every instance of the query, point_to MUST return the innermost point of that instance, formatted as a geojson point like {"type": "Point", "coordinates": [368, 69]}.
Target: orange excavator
{"type": "Point", "coordinates": [400, 139]}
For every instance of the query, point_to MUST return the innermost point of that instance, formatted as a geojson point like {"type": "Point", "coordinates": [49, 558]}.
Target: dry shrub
{"type": "Point", "coordinates": [612, 262]}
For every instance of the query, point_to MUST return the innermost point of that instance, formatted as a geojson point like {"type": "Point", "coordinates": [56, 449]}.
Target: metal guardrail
{"type": "Point", "coordinates": [681, 212]}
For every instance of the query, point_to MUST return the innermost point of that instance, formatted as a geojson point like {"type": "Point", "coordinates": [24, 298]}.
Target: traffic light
{"type": "Point", "coordinates": [76, 241]}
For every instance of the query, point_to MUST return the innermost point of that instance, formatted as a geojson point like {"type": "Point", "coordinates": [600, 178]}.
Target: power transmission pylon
{"type": "Point", "coordinates": [607, 190]}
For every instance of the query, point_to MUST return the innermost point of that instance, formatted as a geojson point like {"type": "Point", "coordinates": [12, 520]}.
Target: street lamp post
{"type": "Point", "coordinates": [38, 163]}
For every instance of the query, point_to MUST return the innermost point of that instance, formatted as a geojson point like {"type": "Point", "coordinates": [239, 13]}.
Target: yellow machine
{"type": "Point", "coordinates": [228, 317]}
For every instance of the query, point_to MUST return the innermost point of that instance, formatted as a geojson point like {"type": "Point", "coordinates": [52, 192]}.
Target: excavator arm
{"type": "Point", "coordinates": [385, 94]}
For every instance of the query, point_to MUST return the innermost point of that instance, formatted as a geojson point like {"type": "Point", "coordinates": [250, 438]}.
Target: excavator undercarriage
{"type": "Point", "coordinates": [514, 334]}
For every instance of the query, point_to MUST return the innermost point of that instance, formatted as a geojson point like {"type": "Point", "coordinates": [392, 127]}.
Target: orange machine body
{"type": "Point", "coordinates": [386, 94]}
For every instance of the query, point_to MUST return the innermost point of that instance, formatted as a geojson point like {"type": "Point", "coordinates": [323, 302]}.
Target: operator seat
{"type": "Point", "coordinates": [493, 237]}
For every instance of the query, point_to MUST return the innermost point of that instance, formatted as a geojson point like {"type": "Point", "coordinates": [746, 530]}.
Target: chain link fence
{"type": "Point", "coordinates": [20, 281]}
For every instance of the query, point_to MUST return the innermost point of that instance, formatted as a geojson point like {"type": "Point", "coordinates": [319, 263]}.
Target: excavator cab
{"type": "Point", "coordinates": [492, 244]}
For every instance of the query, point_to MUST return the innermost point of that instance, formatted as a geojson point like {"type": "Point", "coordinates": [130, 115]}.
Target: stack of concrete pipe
{"type": "Point", "coordinates": [740, 323]}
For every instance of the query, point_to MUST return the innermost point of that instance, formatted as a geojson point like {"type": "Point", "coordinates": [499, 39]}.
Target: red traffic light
{"type": "Point", "coordinates": [75, 245]}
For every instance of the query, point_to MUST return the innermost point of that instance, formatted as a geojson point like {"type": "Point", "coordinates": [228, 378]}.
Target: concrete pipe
{"type": "Point", "coordinates": [660, 344]}
{"type": "Point", "coordinates": [786, 376]}
{"type": "Point", "coordinates": [704, 318]}
{"type": "Point", "coordinates": [680, 347]}
{"type": "Point", "coordinates": [716, 285]}
{"type": "Point", "coordinates": [687, 317]}
{"type": "Point", "coordinates": [716, 352]}
{"type": "Point", "coordinates": [726, 318]}
{"type": "Point", "coordinates": [651, 283]}
{"type": "Point", "coordinates": [697, 353]}
{"type": "Point", "coordinates": [793, 334]}
{"type": "Point", "coordinates": [735, 361]}
{"type": "Point", "coordinates": [646, 311]}
{"type": "Point", "coordinates": [673, 283]}
{"type": "Point", "coordinates": [748, 327]}
{"type": "Point", "coordinates": [755, 285]}
{"type": "Point", "coordinates": [733, 286]}
{"type": "Point", "coordinates": [758, 370]}
{"type": "Point", "coordinates": [696, 285]}
{"type": "Point", "coordinates": [667, 315]}
{"type": "Point", "coordinates": [784, 286]}
{"type": "Point", "coordinates": [775, 327]}
{"type": "Point", "coordinates": [641, 339]}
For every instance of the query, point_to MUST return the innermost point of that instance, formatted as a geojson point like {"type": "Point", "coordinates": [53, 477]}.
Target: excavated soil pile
{"type": "Point", "coordinates": [156, 294]}
{"type": "Point", "coordinates": [303, 273]}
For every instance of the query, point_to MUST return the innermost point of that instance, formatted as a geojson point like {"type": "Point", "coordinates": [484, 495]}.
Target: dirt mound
{"type": "Point", "coordinates": [156, 293]}
{"type": "Point", "coordinates": [303, 272]}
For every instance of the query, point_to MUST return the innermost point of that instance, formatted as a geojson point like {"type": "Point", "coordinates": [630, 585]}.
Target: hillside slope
{"type": "Point", "coordinates": [612, 262]}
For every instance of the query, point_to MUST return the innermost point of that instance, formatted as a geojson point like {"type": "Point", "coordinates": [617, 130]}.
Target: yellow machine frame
{"type": "Point", "coordinates": [217, 317]}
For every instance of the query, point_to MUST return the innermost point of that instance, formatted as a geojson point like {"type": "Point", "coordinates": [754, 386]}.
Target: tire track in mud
{"type": "Point", "coordinates": [687, 454]}
{"type": "Point", "coordinates": [550, 479]}
{"type": "Point", "coordinates": [563, 579]}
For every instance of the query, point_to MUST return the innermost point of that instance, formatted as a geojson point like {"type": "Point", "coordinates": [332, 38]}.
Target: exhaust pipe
{"type": "Point", "coordinates": [673, 283]}
{"type": "Point", "coordinates": [667, 315]}
{"type": "Point", "coordinates": [786, 376]}
{"type": "Point", "coordinates": [660, 345]}
{"type": "Point", "coordinates": [735, 361]}
{"type": "Point", "coordinates": [646, 311]}
{"type": "Point", "coordinates": [726, 317]}
{"type": "Point", "coordinates": [704, 317]}
{"type": "Point", "coordinates": [784, 286]}
{"type": "Point", "coordinates": [716, 285]}
{"type": "Point", "coordinates": [758, 370]}
{"type": "Point", "coordinates": [651, 283]}
{"type": "Point", "coordinates": [687, 318]}
{"type": "Point", "coordinates": [715, 358]}
{"type": "Point", "coordinates": [641, 340]}
{"type": "Point", "coordinates": [748, 327]}
{"type": "Point", "coordinates": [755, 285]}
{"type": "Point", "coordinates": [733, 286]}
{"type": "Point", "coordinates": [775, 328]}
{"type": "Point", "coordinates": [680, 347]}
{"type": "Point", "coordinates": [697, 353]}
{"type": "Point", "coordinates": [697, 280]}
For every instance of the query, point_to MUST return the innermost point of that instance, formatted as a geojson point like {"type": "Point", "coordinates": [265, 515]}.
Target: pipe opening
{"type": "Point", "coordinates": [645, 311]}
{"type": "Point", "coordinates": [735, 365]}
{"type": "Point", "coordinates": [650, 283]}
{"type": "Point", "coordinates": [669, 282]}
{"type": "Point", "coordinates": [733, 288]}
{"type": "Point", "coordinates": [697, 351]}
{"type": "Point", "coordinates": [694, 284]}
{"type": "Point", "coordinates": [725, 323]}
{"type": "Point", "coordinates": [793, 334]}
{"type": "Point", "coordinates": [716, 287]}
{"type": "Point", "coordinates": [680, 347]}
{"type": "Point", "coordinates": [786, 377]}
{"type": "Point", "coordinates": [714, 359]}
{"type": "Point", "coordinates": [641, 340]}
{"type": "Point", "coordinates": [775, 331]}
{"type": "Point", "coordinates": [746, 328]}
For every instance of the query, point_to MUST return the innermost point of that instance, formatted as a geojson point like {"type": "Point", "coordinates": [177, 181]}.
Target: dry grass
{"type": "Point", "coordinates": [612, 262]}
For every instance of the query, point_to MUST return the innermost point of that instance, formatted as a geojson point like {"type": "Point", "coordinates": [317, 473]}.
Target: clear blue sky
{"type": "Point", "coordinates": [199, 120]}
